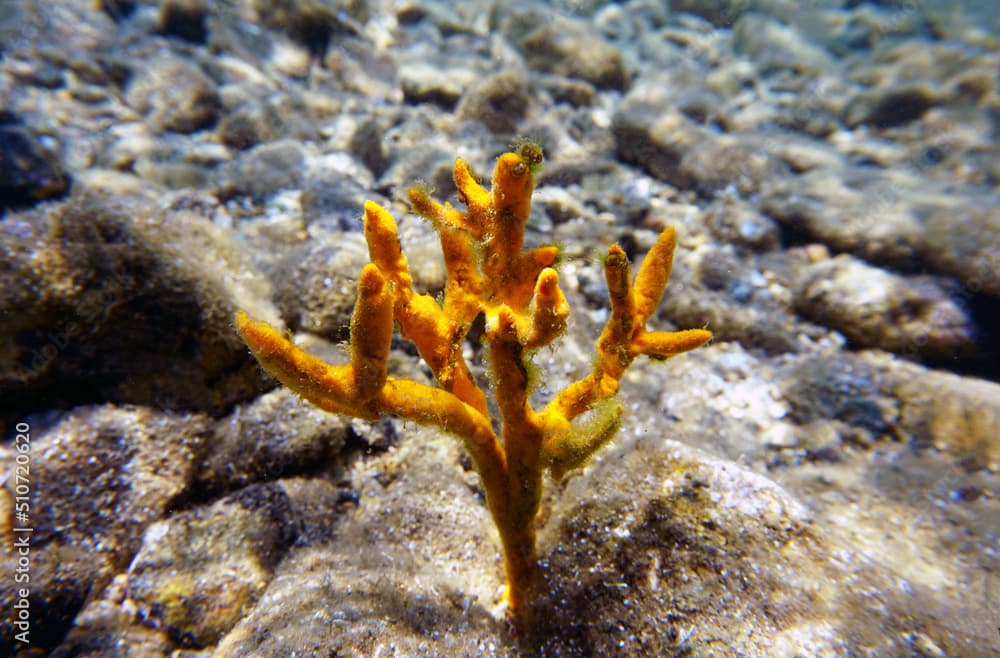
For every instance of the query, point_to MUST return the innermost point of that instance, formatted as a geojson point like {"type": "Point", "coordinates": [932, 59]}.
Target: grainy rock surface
{"type": "Point", "coordinates": [820, 480]}
{"type": "Point", "coordinates": [100, 476]}
{"type": "Point", "coordinates": [119, 300]}
{"type": "Point", "coordinates": [874, 308]}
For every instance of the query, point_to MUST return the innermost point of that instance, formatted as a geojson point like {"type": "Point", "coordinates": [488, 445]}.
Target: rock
{"type": "Point", "coordinates": [721, 13]}
{"type": "Point", "coordinates": [856, 211]}
{"type": "Point", "coordinates": [28, 29]}
{"type": "Point", "coordinates": [29, 172]}
{"type": "Point", "coordinates": [778, 47]}
{"type": "Point", "coordinates": [656, 538]}
{"type": "Point", "coordinates": [960, 415]}
{"type": "Point", "coordinates": [107, 627]}
{"type": "Point", "coordinates": [730, 160]}
{"type": "Point", "coordinates": [368, 144]}
{"type": "Point", "coordinates": [276, 435]}
{"type": "Point", "coordinates": [499, 102]}
{"type": "Point", "coordinates": [175, 95]}
{"type": "Point", "coordinates": [200, 571]}
{"type": "Point", "coordinates": [422, 82]}
{"type": "Point", "coordinates": [874, 308]}
{"type": "Point", "coordinates": [247, 127]}
{"type": "Point", "coordinates": [746, 304]}
{"type": "Point", "coordinates": [265, 170]}
{"type": "Point", "coordinates": [430, 585]}
{"type": "Point", "coordinates": [681, 547]}
{"type": "Point", "coordinates": [568, 90]}
{"type": "Point", "coordinates": [40, 74]}
{"type": "Point", "coordinates": [911, 76]}
{"type": "Point", "coordinates": [964, 241]}
{"type": "Point", "coordinates": [316, 286]}
{"type": "Point", "coordinates": [881, 395]}
{"type": "Point", "coordinates": [567, 171]}
{"type": "Point", "coordinates": [424, 165]}
{"type": "Point", "coordinates": [656, 139]}
{"type": "Point", "coordinates": [172, 175]}
{"type": "Point", "coordinates": [333, 198]}
{"type": "Point", "coordinates": [741, 225]}
{"type": "Point", "coordinates": [291, 58]}
{"type": "Point", "coordinates": [369, 72]}
{"type": "Point", "coordinates": [663, 124]}
{"type": "Point", "coordinates": [98, 478]}
{"type": "Point", "coordinates": [849, 391]}
{"type": "Point", "coordinates": [561, 206]}
{"type": "Point", "coordinates": [556, 44]}
{"type": "Point", "coordinates": [124, 302]}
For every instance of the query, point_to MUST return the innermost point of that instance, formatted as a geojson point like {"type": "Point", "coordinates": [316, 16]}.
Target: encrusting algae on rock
{"type": "Point", "coordinates": [518, 293]}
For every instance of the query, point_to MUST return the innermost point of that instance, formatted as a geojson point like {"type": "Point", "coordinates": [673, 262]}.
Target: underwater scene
{"type": "Point", "coordinates": [573, 328]}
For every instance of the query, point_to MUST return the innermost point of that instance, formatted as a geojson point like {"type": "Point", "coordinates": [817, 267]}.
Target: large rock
{"type": "Point", "coordinates": [200, 571]}
{"type": "Point", "coordinates": [776, 46]}
{"type": "Point", "coordinates": [566, 47]}
{"type": "Point", "coordinates": [917, 316]}
{"type": "Point", "coordinates": [124, 302]}
{"type": "Point", "coordinates": [499, 102]}
{"type": "Point", "coordinates": [857, 211]}
{"type": "Point", "coordinates": [414, 566]}
{"type": "Point", "coordinates": [653, 127]}
{"type": "Point", "coordinates": [960, 415]}
{"type": "Point", "coordinates": [964, 241]}
{"type": "Point", "coordinates": [175, 95]}
{"type": "Point", "coordinates": [97, 480]}
{"type": "Point", "coordinates": [653, 136]}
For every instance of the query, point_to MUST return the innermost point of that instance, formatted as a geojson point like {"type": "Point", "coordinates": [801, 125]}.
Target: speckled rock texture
{"type": "Point", "coordinates": [821, 480]}
{"type": "Point", "coordinates": [119, 300]}
{"type": "Point", "coordinates": [916, 315]}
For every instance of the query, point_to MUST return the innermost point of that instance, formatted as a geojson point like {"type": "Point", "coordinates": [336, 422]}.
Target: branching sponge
{"type": "Point", "coordinates": [518, 292]}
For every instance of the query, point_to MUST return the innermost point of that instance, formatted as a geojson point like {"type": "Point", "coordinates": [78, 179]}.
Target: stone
{"type": "Point", "coordinates": [824, 388]}
{"type": "Point", "coordinates": [721, 13]}
{"type": "Point", "coordinates": [99, 477]}
{"type": "Point", "coordinates": [265, 170]}
{"type": "Point", "coordinates": [425, 584]}
{"type": "Point", "coordinates": [860, 212]}
{"type": "Point", "coordinates": [246, 127]}
{"type": "Point", "coordinates": [423, 83]}
{"type": "Point", "coordinates": [276, 435]}
{"type": "Point", "coordinates": [654, 138]}
{"type": "Point", "coordinates": [964, 241]}
{"type": "Point", "coordinates": [745, 164]}
{"type": "Point", "coordinates": [913, 316]}
{"type": "Point", "coordinates": [742, 225]}
{"type": "Point", "coordinates": [500, 102]}
{"type": "Point", "coordinates": [775, 46]}
{"type": "Point", "coordinates": [316, 285]}
{"type": "Point", "coordinates": [556, 44]}
{"type": "Point", "coordinates": [126, 302]}
{"type": "Point", "coordinates": [891, 105]}
{"type": "Point", "coordinates": [175, 95]}
{"type": "Point", "coordinates": [313, 22]}
{"type": "Point", "coordinates": [960, 415]}
{"type": "Point", "coordinates": [199, 572]}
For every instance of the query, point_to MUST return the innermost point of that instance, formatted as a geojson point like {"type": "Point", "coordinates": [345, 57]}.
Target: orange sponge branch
{"type": "Point", "coordinates": [525, 309]}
